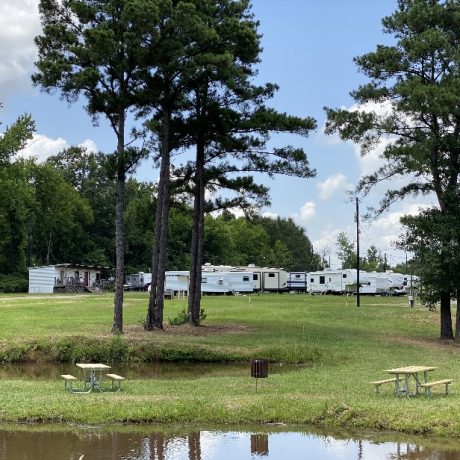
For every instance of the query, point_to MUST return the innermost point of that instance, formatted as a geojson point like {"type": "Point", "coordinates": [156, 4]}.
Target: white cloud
{"type": "Point", "coordinates": [382, 232]}
{"type": "Point", "coordinates": [89, 145]}
{"type": "Point", "coordinates": [306, 213]}
{"type": "Point", "coordinates": [271, 215]}
{"type": "Point", "coordinates": [327, 239]}
{"type": "Point", "coordinates": [333, 184]}
{"type": "Point", "coordinates": [385, 230]}
{"type": "Point", "coordinates": [19, 24]}
{"type": "Point", "coordinates": [41, 147]}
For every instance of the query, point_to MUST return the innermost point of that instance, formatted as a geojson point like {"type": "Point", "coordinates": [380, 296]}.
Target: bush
{"type": "Point", "coordinates": [13, 283]}
{"type": "Point", "coordinates": [183, 317]}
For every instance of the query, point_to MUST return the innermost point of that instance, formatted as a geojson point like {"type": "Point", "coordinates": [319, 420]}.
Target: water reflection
{"type": "Point", "coordinates": [157, 370]}
{"type": "Point", "coordinates": [87, 444]}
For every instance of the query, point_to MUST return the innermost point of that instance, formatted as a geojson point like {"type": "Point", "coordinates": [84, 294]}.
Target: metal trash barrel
{"type": "Point", "coordinates": [259, 368]}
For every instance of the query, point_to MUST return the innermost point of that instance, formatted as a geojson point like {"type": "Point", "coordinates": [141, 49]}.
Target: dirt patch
{"type": "Point", "coordinates": [428, 342]}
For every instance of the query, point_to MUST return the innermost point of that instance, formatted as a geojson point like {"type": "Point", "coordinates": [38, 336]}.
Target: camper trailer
{"type": "Point", "coordinates": [335, 281]}
{"type": "Point", "coordinates": [297, 281]}
{"type": "Point", "coordinates": [212, 282]}
{"type": "Point", "coordinates": [137, 281]}
{"type": "Point", "coordinates": [376, 284]}
{"type": "Point", "coordinates": [177, 282]}
{"type": "Point", "coordinates": [264, 279]}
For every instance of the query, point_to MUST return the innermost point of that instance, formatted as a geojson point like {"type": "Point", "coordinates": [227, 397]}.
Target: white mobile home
{"type": "Point", "coordinates": [49, 279]}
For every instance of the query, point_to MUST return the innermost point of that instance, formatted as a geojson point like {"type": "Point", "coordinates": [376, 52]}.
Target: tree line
{"type": "Point", "coordinates": [63, 210]}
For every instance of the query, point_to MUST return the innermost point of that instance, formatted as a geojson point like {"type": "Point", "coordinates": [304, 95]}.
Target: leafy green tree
{"type": "Point", "coordinates": [297, 243]}
{"type": "Point", "coordinates": [60, 216]}
{"type": "Point", "coordinates": [433, 252]}
{"type": "Point", "coordinates": [15, 137]}
{"type": "Point", "coordinates": [374, 261]}
{"type": "Point", "coordinates": [16, 196]}
{"type": "Point", "coordinates": [100, 49]}
{"type": "Point", "coordinates": [87, 173]}
{"type": "Point", "coordinates": [16, 202]}
{"type": "Point", "coordinates": [346, 251]}
{"type": "Point", "coordinates": [412, 101]}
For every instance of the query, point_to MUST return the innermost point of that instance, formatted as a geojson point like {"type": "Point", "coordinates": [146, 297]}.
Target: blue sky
{"type": "Point", "coordinates": [308, 51]}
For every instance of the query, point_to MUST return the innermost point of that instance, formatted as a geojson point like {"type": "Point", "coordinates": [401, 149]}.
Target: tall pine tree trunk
{"type": "Point", "coordinates": [446, 317]}
{"type": "Point", "coordinates": [457, 318]}
{"type": "Point", "coordinates": [117, 327]}
{"type": "Point", "coordinates": [194, 301]}
{"type": "Point", "coordinates": [159, 251]}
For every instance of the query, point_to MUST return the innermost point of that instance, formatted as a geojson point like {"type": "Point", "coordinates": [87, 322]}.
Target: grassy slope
{"type": "Point", "coordinates": [345, 347]}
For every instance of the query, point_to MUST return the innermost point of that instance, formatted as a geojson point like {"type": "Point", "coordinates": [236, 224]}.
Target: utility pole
{"type": "Point", "coordinates": [358, 300]}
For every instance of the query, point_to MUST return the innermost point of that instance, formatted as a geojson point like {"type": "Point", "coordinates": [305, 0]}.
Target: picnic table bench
{"type": "Point", "coordinates": [116, 379]}
{"type": "Point", "coordinates": [429, 385]}
{"type": "Point", "coordinates": [377, 383]}
{"type": "Point", "coordinates": [68, 379]}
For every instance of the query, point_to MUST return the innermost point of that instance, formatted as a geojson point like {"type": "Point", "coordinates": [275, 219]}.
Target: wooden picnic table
{"type": "Point", "coordinates": [407, 372]}
{"type": "Point", "coordinates": [92, 375]}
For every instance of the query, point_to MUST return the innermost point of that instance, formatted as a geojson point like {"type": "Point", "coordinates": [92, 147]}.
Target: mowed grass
{"type": "Point", "coordinates": [341, 348]}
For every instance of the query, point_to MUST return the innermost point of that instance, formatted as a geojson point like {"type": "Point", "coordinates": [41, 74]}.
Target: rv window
{"type": "Point", "coordinates": [255, 276]}
{"type": "Point", "coordinates": [204, 280]}
{"type": "Point", "coordinates": [312, 280]}
{"type": "Point", "coordinates": [271, 275]}
{"type": "Point", "coordinates": [344, 275]}
{"type": "Point", "coordinates": [245, 278]}
{"type": "Point", "coordinates": [297, 276]}
{"type": "Point", "coordinates": [330, 279]}
{"type": "Point", "coordinates": [322, 279]}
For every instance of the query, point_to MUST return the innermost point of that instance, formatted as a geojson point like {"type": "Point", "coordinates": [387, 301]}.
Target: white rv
{"type": "Point", "coordinates": [335, 281]}
{"type": "Point", "coordinates": [137, 281]}
{"type": "Point", "coordinates": [376, 283]}
{"type": "Point", "coordinates": [297, 281]}
{"type": "Point", "coordinates": [177, 281]}
{"type": "Point", "coordinates": [212, 282]}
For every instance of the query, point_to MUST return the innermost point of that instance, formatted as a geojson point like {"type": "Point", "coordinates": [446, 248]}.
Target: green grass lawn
{"type": "Point", "coordinates": [341, 347]}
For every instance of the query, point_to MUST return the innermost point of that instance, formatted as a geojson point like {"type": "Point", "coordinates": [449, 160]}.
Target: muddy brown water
{"type": "Point", "coordinates": [157, 370]}
{"type": "Point", "coordinates": [90, 443]}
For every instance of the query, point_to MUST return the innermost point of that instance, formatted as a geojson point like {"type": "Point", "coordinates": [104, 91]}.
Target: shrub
{"type": "Point", "coordinates": [183, 317]}
{"type": "Point", "coordinates": [13, 283]}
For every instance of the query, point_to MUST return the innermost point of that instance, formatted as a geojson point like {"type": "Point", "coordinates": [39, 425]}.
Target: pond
{"type": "Point", "coordinates": [146, 443]}
{"type": "Point", "coordinates": [156, 370]}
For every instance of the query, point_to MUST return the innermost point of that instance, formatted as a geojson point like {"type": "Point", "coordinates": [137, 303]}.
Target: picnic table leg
{"type": "Point", "coordinates": [406, 384]}
{"type": "Point", "coordinates": [100, 380]}
{"type": "Point", "coordinates": [397, 390]}
{"type": "Point", "coordinates": [425, 377]}
{"type": "Point", "coordinates": [417, 383]}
